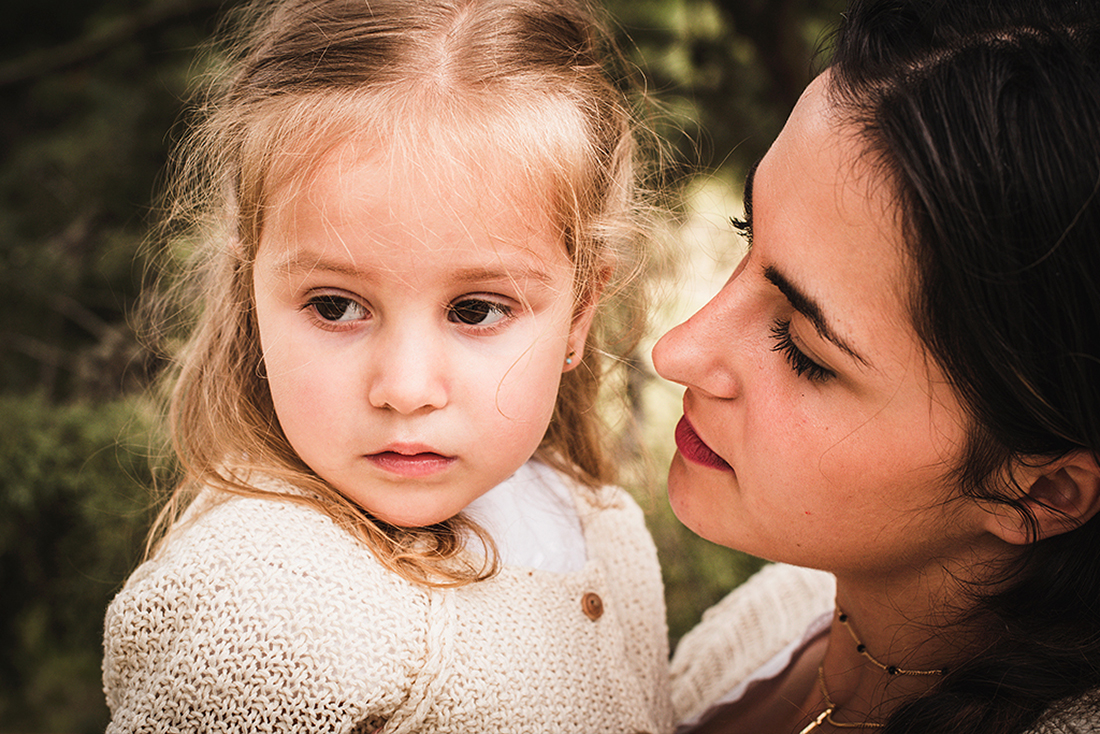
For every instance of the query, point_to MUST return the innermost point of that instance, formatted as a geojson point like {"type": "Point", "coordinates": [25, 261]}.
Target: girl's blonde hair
{"type": "Point", "coordinates": [536, 80]}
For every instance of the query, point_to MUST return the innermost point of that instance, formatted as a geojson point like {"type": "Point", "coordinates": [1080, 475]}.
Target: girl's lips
{"type": "Point", "coordinates": [693, 449]}
{"type": "Point", "coordinates": [421, 464]}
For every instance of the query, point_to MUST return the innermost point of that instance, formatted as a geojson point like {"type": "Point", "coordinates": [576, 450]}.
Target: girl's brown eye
{"type": "Point", "coordinates": [336, 308]}
{"type": "Point", "coordinates": [477, 312]}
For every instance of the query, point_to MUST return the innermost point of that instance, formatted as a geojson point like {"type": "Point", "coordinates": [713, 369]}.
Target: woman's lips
{"type": "Point", "coordinates": [421, 464]}
{"type": "Point", "coordinates": [693, 449]}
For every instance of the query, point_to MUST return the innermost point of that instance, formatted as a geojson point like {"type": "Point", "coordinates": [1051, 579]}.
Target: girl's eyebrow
{"type": "Point", "coordinates": [810, 308]}
{"type": "Point", "coordinates": [300, 263]}
{"type": "Point", "coordinates": [516, 272]}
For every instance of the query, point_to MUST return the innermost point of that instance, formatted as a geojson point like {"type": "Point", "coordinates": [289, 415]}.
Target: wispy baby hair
{"type": "Point", "coordinates": [536, 80]}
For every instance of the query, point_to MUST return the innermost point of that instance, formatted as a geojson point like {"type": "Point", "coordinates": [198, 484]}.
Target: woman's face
{"type": "Point", "coordinates": [816, 430]}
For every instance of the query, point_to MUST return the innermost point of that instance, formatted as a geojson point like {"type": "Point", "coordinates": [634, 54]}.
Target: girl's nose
{"type": "Point", "coordinates": [408, 374]}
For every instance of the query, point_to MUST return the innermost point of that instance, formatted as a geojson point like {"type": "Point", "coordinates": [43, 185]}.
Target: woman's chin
{"type": "Point", "coordinates": [688, 503]}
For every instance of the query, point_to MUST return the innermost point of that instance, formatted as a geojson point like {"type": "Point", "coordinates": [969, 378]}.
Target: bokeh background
{"type": "Point", "coordinates": [90, 101]}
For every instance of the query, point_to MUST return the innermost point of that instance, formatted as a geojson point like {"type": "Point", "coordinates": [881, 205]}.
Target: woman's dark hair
{"type": "Point", "coordinates": [985, 115]}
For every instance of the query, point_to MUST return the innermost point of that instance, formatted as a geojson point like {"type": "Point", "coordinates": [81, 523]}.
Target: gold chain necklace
{"type": "Point", "coordinates": [826, 716]}
{"type": "Point", "coordinates": [830, 707]}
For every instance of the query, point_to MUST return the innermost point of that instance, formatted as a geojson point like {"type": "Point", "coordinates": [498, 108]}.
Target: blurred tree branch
{"type": "Point", "coordinates": [732, 68]}
{"type": "Point", "coordinates": [44, 62]}
{"type": "Point", "coordinates": [773, 27]}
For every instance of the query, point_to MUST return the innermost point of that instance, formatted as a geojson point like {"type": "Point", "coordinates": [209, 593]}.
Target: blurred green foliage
{"type": "Point", "coordinates": [76, 493]}
{"type": "Point", "coordinates": [90, 95]}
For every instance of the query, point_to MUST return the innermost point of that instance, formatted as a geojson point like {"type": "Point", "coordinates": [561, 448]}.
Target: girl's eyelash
{"type": "Point", "coordinates": [800, 363]}
{"type": "Point", "coordinates": [333, 311]}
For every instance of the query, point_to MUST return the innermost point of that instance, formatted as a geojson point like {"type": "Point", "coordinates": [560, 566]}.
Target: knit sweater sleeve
{"type": "Point", "coordinates": [743, 631]}
{"type": "Point", "coordinates": [262, 616]}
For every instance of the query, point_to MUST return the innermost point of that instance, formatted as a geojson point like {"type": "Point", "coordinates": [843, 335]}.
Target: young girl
{"type": "Point", "coordinates": [395, 514]}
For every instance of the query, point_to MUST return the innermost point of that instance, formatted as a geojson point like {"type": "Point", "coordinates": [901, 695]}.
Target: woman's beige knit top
{"type": "Point", "coordinates": [264, 616]}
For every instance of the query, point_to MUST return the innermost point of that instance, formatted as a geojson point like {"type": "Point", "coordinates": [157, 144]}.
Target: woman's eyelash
{"type": "Point", "coordinates": [743, 227]}
{"type": "Point", "coordinates": [800, 363]}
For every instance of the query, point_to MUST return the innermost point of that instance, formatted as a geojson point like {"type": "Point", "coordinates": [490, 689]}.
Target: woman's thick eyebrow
{"type": "Point", "coordinates": [812, 311]}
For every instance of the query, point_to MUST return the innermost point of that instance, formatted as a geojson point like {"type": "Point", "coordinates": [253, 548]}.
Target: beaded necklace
{"type": "Point", "coordinates": [826, 716]}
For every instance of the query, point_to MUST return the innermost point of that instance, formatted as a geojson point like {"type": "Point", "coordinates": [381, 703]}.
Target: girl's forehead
{"type": "Point", "coordinates": [515, 174]}
{"type": "Point", "coordinates": [360, 201]}
{"type": "Point", "coordinates": [404, 187]}
{"type": "Point", "coordinates": [437, 167]}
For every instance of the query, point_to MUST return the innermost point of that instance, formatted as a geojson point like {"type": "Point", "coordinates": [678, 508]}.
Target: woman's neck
{"type": "Point", "coordinates": [890, 642]}
{"type": "Point", "coordinates": [866, 677]}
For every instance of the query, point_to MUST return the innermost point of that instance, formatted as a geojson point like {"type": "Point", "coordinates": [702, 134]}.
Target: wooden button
{"type": "Point", "coordinates": [592, 605]}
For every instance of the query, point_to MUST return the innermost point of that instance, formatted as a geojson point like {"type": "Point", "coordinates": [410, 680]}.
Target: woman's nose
{"type": "Point", "coordinates": [701, 353]}
{"type": "Point", "coordinates": [407, 373]}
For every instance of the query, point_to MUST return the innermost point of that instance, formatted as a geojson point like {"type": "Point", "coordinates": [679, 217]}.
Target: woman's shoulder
{"type": "Point", "coordinates": [796, 595]}
{"type": "Point", "coordinates": [744, 630]}
{"type": "Point", "coordinates": [1079, 716]}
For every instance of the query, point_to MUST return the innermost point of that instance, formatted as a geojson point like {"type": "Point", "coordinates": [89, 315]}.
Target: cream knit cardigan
{"type": "Point", "coordinates": [264, 616]}
{"type": "Point", "coordinates": [743, 631]}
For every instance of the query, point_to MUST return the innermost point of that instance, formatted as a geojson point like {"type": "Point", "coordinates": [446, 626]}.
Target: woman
{"type": "Point", "coordinates": [900, 385]}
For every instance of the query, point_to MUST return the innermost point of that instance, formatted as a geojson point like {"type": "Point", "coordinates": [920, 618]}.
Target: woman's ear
{"type": "Point", "coordinates": [1061, 496]}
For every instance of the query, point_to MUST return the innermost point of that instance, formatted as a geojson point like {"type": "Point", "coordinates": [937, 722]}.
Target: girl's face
{"type": "Point", "coordinates": [816, 430]}
{"type": "Point", "coordinates": [415, 318]}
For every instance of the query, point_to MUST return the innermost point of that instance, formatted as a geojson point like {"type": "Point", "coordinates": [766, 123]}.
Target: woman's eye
{"type": "Point", "coordinates": [477, 312]}
{"type": "Point", "coordinates": [337, 309]}
{"type": "Point", "coordinates": [800, 363]}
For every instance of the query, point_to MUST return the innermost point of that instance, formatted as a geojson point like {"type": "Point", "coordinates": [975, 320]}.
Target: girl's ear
{"type": "Point", "coordinates": [1062, 495]}
{"type": "Point", "coordinates": [583, 315]}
